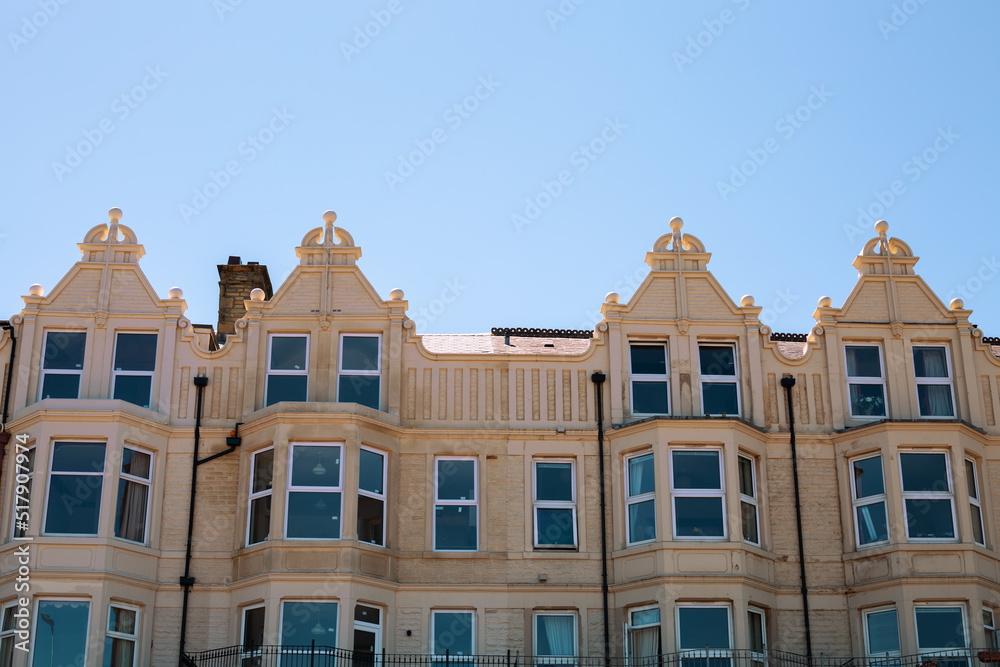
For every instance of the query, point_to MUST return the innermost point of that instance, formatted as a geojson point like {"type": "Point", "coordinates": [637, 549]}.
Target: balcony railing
{"type": "Point", "coordinates": [314, 655]}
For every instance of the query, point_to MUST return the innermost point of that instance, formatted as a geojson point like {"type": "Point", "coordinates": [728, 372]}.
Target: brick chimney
{"type": "Point", "coordinates": [236, 280]}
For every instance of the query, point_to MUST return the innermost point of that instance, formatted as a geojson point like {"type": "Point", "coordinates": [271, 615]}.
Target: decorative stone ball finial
{"type": "Point", "coordinates": [396, 294]}
{"type": "Point", "coordinates": [612, 297]}
{"type": "Point", "coordinates": [957, 304]}
{"type": "Point", "coordinates": [825, 302]}
{"type": "Point", "coordinates": [881, 227]}
{"type": "Point", "coordinates": [329, 217]}
{"type": "Point", "coordinates": [36, 290]}
{"type": "Point", "coordinates": [115, 214]}
{"type": "Point", "coordinates": [175, 293]}
{"type": "Point", "coordinates": [676, 223]}
{"type": "Point", "coordinates": [257, 294]}
{"type": "Point", "coordinates": [746, 301]}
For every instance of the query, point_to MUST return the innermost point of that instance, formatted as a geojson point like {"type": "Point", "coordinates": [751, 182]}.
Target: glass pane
{"type": "Point", "coordinates": [642, 521]}
{"type": "Point", "coordinates": [868, 479]}
{"type": "Point", "coordinates": [136, 463]}
{"type": "Point", "coordinates": [939, 627]}
{"type": "Point", "coordinates": [135, 352]}
{"type": "Point", "coordinates": [640, 475]}
{"type": "Point", "coordinates": [924, 472]}
{"type": "Point", "coordinates": [60, 633]}
{"type": "Point", "coordinates": [302, 622]}
{"type": "Point", "coordinates": [360, 353]}
{"type": "Point", "coordinates": [456, 479]}
{"type": "Point", "coordinates": [929, 518]}
{"type": "Point", "coordinates": [130, 516]}
{"type": "Point", "coordinates": [555, 527]}
{"type": "Point", "coordinates": [717, 359]}
{"type": "Point", "coordinates": [699, 517]}
{"type": "Point", "coordinates": [863, 361]}
{"type": "Point", "coordinates": [749, 516]}
{"type": "Point", "coordinates": [286, 388]}
{"type": "Point", "coordinates": [288, 353]}
{"type": "Point", "coordinates": [883, 632]}
{"type": "Point", "coordinates": [867, 400]}
{"type": "Point", "coordinates": [645, 617]}
{"type": "Point", "coordinates": [648, 359]}
{"type": "Point", "coordinates": [970, 479]}
{"type": "Point", "coordinates": [8, 619]}
{"type": "Point", "coordinates": [119, 652]}
{"type": "Point", "coordinates": [755, 621]}
{"type": "Point", "coordinates": [370, 469]}
{"type": "Point", "coordinates": [121, 620]}
{"type": "Point", "coordinates": [78, 457]}
{"type": "Point", "coordinates": [696, 470]}
{"type": "Point", "coordinates": [61, 385]}
{"type": "Point", "coordinates": [452, 633]}
{"type": "Point", "coordinates": [313, 514]}
{"type": "Point", "coordinates": [253, 627]}
{"type": "Point", "coordinates": [74, 504]}
{"type": "Point", "coordinates": [703, 626]}
{"type": "Point", "coordinates": [554, 634]}
{"type": "Point", "coordinates": [719, 398]}
{"type": "Point", "coordinates": [370, 520]}
{"type": "Point", "coordinates": [260, 519]}
{"type": "Point", "coordinates": [360, 389]}
{"type": "Point", "coordinates": [746, 476]}
{"type": "Point", "coordinates": [64, 350]}
{"type": "Point", "coordinates": [649, 398]}
{"type": "Point", "coordinates": [935, 400]}
{"type": "Point", "coordinates": [315, 465]}
{"type": "Point", "coordinates": [455, 528]}
{"type": "Point", "coordinates": [930, 362]}
{"type": "Point", "coordinates": [263, 465]}
{"type": "Point", "coordinates": [977, 525]}
{"type": "Point", "coordinates": [872, 524]}
{"type": "Point", "coordinates": [554, 481]}
{"type": "Point", "coordinates": [365, 614]}
{"type": "Point", "coordinates": [133, 389]}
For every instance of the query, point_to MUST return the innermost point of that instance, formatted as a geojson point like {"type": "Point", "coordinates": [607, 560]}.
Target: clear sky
{"type": "Point", "coordinates": [506, 163]}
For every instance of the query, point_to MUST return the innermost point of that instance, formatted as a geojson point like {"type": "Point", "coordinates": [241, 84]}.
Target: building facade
{"type": "Point", "coordinates": [366, 486]}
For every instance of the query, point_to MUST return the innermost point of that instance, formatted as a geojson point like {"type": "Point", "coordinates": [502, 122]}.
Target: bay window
{"type": "Point", "coordinates": [555, 638]}
{"type": "Point", "coordinates": [313, 503]}
{"type": "Point", "coordinates": [62, 364]}
{"type": "Point", "coordinates": [456, 509]}
{"type": "Point", "coordinates": [122, 636]}
{"type": "Point", "coordinates": [640, 498]}
{"type": "Point", "coordinates": [720, 394]}
{"type": "Point", "coordinates": [748, 499]}
{"type": "Point", "coordinates": [259, 502]}
{"type": "Point", "coordinates": [135, 361]}
{"type": "Point", "coordinates": [975, 504]}
{"type": "Point", "coordinates": [940, 628]}
{"type": "Point", "coordinates": [881, 628]}
{"type": "Point", "coordinates": [706, 631]}
{"type": "Point", "coordinates": [649, 379]}
{"type": "Point", "coordinates": [928, 501]}
{"type": "Point", "coordinates": [134, 481]}
{"type": "Point", "coordinates": [360, 370]}
{"type": "Point", "coordinates": [287, 368]}
{"type": "Point", "coordinates": [76, 481]}
{"type": "Point", "coordinates": [371, 496]}
{"type": "Point", "coordinates": [865, 381]}
{"type": "Point", "coordinates": [306, 620]}
{"type": "Point", "coordinates": [555, 504]}
{"type": "Point", "coordinates": [932, 370]}
{"type": "Point", "coordinates": [642, 636]}
{"type": "Point", "coordinates": [61, 629]}
{"type": "Point", "coordinates": [697, 492]}
{"type": "Point", "coordinates": [871, 523]}
{"type": "Point", "coordinates": [7, 636]}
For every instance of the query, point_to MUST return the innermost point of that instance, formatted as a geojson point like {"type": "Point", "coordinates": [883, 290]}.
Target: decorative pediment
{"type": "Point", "coordinates": [111, 242]}
{"type": "Point", "coordinates": [320, 249]}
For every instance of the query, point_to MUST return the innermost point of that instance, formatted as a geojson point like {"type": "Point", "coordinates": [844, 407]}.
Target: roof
{"type": "Point", "coordinates": [791, 350]}
{"type": "Point", "coordinates": [489, 344]}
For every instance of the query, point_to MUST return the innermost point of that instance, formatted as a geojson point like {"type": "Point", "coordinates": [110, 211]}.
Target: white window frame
{"type": "Point", "coordinates": [147, 482]}
{"type": "Point", "coordinates": [916, 633]}
{"type": "Point", "coordinates": [857, 503]}
{"type": "Point", "coordinates": [364, 626]}
{"type": "Point", "coordinates": [948, 495]}
{"type": "Point", "coordinates": [252, 496]}
{"type": "Point", "coordinates": [990, 628]}
{"type": "Point", "coordinates": [639, 498]}
{"type": "Point", "coordinates": [22, 512]}
{"type": "Point", "coordinates": [283, 650]}
{"type": "Point", "coordinates": [733, 379]}
{"type": "Point", "coordinates": [134, 638]}
{"type": "Point", "coordinates": [749, 500]}
{"type": "Point", "coordinates": [700, 493]}
{"type": "Point", "coordinates": [115, 374]}
{"type": "Point", "coordinates": [304, 372]}
{"type": "Point", "coordinates": [339, 489]}
{"type": "Point", "coordinates": [364, 373]}
{"type": "Point", "coordinates": [864, 626]}
{"type": "Point", "coordinates": [759, 657]}
{"type": "Point", "coordinates": [62, 371]}
{"type": "Point", "coordinates": [457, 657]}
{"type": "Point", "coordinates": [630, 656]}
{"type": "Point", "coordinates": [100, 495]}
{"type": "Point", "coordinates": [7, 637]}
{"type": "Point", "coordinates": [975, 501]}
{"type": "Point", "coordinates": [934, 380]}
{"type": "Point", "coordinates": [860, 379]}
{"type": "Point", "coordinates": [710, 653]}
{"type": "Point", "coordinates": [383, 497]}
{"type": "Point", "coordinates": [473, 502]}
{"type": "Point", "coordinates": [253, 653]}
{"type": "Point", "coordinates": [554, 504]}
{"type": "Point", "coordinates": [555, 659]}
{"type": "Point", "coordinates": [37, 622]}
{"type": "Point", "coordinates": [648, 377]}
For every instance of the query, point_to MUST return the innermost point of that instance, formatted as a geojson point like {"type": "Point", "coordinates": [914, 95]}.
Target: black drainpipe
{"type": "Point", "coordinates": [187, 581]}
{"type": "Point", "coordinates": [4, 435]}
{"type": "Point", "coordinates": [598, 380]}
{"type": "Point", "coordinates": [788, 382]}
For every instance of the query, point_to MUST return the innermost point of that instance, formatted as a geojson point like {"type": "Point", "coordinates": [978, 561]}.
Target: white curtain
{"type": "Point", "coordinates": [645, 643]}
{"type": "Point", "coordinates": [133, 511]}
{"type": "Point", "coordinates": [559, 632]}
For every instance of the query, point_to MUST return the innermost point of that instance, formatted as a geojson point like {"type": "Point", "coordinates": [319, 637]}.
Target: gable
{"type": "Point", "coordinates": [868, 303]}
{"type": "Point", "coordinates": [657, 301]}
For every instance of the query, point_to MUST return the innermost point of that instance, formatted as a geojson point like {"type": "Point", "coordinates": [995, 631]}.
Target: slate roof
{"type": "Point", "coordinates": [488, 344]}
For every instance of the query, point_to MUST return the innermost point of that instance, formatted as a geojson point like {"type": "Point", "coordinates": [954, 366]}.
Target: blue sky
{"type": "Point", "coordinates": [507, 164]}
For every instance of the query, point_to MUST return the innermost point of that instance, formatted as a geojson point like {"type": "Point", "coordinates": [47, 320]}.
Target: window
{"type": "Point", "coordinates": [253, 635]}
{"type": "Point", "coordinates": [555, 504]}
{"type": "Point", "coordinates": [720, 394]}
{"type": "Point", "coordinates": [871, 523]}
{"type": "Point", "coordinates": [757, 633]}
{"type": "Point", "coordinates": [454, 633]}
{"type": "Point", "coordinates": [314, 492]}
{"type": "Point", "coordinates": [133, 495]}
{"type": "Point", "coordinates": [122, 637]}
{"type": "Point", "coordinates": [649, 379]}
{"type": "Point", "coordinates": [941, 628]}
{"type": "Point", "coordinates": [371, 497]}
{"type": "Point", "coordinates": [25, 468]}
{"type": "Point", "coordinates": [135, 361]}
{"type": "Point", "coordinates": [642, 636]}
{"type": "Point", "coordinates": [975, 505]}
{"type": "Point", "coordinates": [932, 370]}
{"type": "Point", "coordinates": [865, 383]}
{"type": "Point", "coordinates": [259, 514]}
{"type": "Point", "coordinates": [7, 636]}
{"type": "Point", "coordinates": [696, 488]}
{"type": "Point", "coordinates": [287, 368]}
{"type": "Point", "coordinates": [62, 364]}
{"type": "Point", "coordinates": [303, 622]}
{"type": "Point", "coordinates": [748, 499]}
{"type": "Point", "coordinates": [927, 496]}
{"type": "Point", "coordinates": [360, 370]}
{"type": "Point", "coordinates": [640, 498]}
{"type": "Point", "coordinates": [881, 632]}
{"type": "Point", "coordinates": [75, 485]}
{"type": "Point", "coordinates": [367, 635]}
{"type": "Point", "coordinates": [555, 638]}
{"type": "Point", "coordinates": [702, 628]}
{"type": "Point", "coordinates": [61, 629]}
{"type": "Point", "coordinates": [456, 525]}
{"type": "Point", "coordinates": [990, 629]}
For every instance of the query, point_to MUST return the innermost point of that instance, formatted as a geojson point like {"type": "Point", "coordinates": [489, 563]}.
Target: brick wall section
{"type": "Point", "coordinates": [408, 618]}
{"type": "Point", "coordinates": [504, 630]}
{"type": "Point", "coordinates": [829, 628]}
{"type": "Point", "coordinates": [412, 501]}
{"type": "Point", "coordinates": [236, 281]}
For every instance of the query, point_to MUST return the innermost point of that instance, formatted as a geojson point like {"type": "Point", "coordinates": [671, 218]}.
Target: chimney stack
{"type": "Point", "coordinates": [236, 280]}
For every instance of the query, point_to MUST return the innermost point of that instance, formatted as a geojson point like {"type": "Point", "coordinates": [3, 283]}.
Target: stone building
{"type": "Point", "coordinates": [362, 485]}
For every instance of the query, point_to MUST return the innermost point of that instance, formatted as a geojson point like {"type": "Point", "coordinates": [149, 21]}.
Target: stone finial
{"type": "Point", "coordinates": [825, 302]}
{"type": "Point", "coordinates": [612, 297]}
{"type": "Point", "coordinates": [36, 290]}
{"type": "Point", "coordinates": [746, 301]}
{"type": "Point", "coordinates": [957, 304]}
{"type": "Point", "coordinates": [257, 294]}
{"type": "Point", "coordinates": [396, 294]}
{"type": "Point", "coordinates": [175, 293]}
{"type": "Point", "coordinates": [115, 214]}
{"type": "Point", "coordinates": [329, 217]}
{"type": "Point", "coordinates": [676, 224]}
{"type": "Point", "coordinates": [882, 229]}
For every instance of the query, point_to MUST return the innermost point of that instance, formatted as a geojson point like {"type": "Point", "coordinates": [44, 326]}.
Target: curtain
{"type": "Point", "coordinates": [123, 653]}
{"type": "Point", "coordinates": [646, 643]}
{"type": "Point", "coordinates": [635, 477]}
{"type": "Point", "coordinates": [132, 525]}
{"type": "Point", "coordinates": [559, 632]}
{"type": "Point", "coordinates": [939, 399]}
